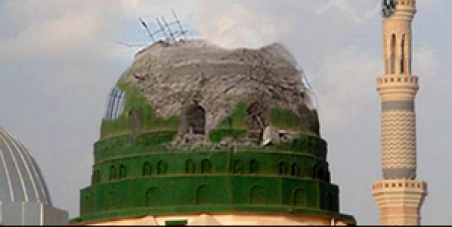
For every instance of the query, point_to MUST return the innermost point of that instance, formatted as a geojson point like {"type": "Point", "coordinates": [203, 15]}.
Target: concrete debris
{"type": "Point", "coordinates": [195, 73]}
{"type": "Point", "coordinates": [227, 141]}
{"type": "Point", "coordinates": [270, 136]}
{"type": "Point", "coordinates": [274, 136]}
{"type": "Point", "coordinates": [190, 138]}
{"type": "Point", "coordinates": [286, 136]}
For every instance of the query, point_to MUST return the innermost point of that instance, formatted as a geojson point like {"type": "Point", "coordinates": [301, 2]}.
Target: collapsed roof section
{"type": "Point", "coordinates": [174, 77]}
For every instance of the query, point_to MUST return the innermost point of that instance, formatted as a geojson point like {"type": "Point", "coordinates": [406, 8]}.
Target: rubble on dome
{"type": "Point", "coordinates": [194, 77]}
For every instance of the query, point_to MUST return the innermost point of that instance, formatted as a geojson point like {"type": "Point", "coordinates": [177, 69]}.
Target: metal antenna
{"type": "Point", "coordinates": [182, 31]}
{"type": "Point", "coordinates": [130, 45]}
{"type": "Point", "coordinates": [162, 28]}
{"type": "Point", "coordinates": [171, 35]}
{"type": "Point", "coordinates": [143, 23]}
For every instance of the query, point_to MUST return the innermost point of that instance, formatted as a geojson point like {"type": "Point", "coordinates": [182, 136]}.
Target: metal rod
{"type": "Point", "coordinates": [180, 26]}
{"type": "Point", "coordinates": [143, 23]}
{"type": "Point", "coordinates": [162, 28]}
{"type": "Point", "coordinates": [171, 35]}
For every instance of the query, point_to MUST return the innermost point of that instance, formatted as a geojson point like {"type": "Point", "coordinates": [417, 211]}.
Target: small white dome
{"type": "Point", "coordinates": [20, 177]}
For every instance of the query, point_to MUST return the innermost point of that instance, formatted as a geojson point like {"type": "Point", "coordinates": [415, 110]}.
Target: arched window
{"type": "Point", "coordinates": [402, 55]}
{"type": "Point", "coordinates": [152, 197]}
{"type": "Point", "coordinates": [315, 171]}
{"type": "Point", "coordinates": [122, 172]}
{"type": "Point", "coordinates": [325, 174]}
{"type": "Point", "coordinates": [161, 168]}
{"type": "Point", "coordinates": [190, 167]}
{"type": "Point", "coordinates": [237, 166]}
{"type": "Point", "coordinates": [393, 53]}
{"type": "Point", "coordinates": [258, 195]}
{"type": "Point", "coordinates": [329, 203]}
{"type": "Point", "coordinates": [385, 45]}
{"type": "Point", "coordinates": [300, 197]}
{"type": "Point", "coordinates": [88, 204]}
{"type": "Point", "coordinates": [204, 195]}
{"type": "Point", "coordinates": [112, 175]}
{"type": "Point", "coordinates": [206, 166]}
{"type": "Point", "coordinates": [146, 170]}
{"type": "Point", "coordinates": [115, 104]}
{"type": "Point", "coordinates": [93, 178]}
{"type": "Point", "coordinates": [320, 173]}
{"type": "Point", "coordinates": [282, 168]}
{"type": "Point", "coordinates": [408, 53]}
{"type": "Point", "coordinates": [254, 167]}
{"type": "Point", "coordinates": [112, 201]}
{"type": "Point", "coordinates": [195, 120]}
{"type": "Point", "coordinates": [98, 176]}
{"type": "Point", "coordinates": [295, 170]}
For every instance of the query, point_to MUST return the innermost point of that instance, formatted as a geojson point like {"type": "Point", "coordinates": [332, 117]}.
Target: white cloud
{"type": "Point", "coordinates": [235, 26]}
{"type": "Point", "coordinates": [428, 4]}
{"type": "Point", "coordinates": [346, 85]}
{"type": "Point", "coordinates": [425, 62]}
{"type": "Point", "coordinates": [58, 28]}
{"type": "Point", "coordinates": [342, 5]}
{"type": "Point", "coordinates": [70, 33]}
{"type": "Point", "coordinates": [357, 11]}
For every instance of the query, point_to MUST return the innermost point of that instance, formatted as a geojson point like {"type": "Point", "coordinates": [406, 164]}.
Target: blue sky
{"type": "Point", "coordinates": [59, 59]}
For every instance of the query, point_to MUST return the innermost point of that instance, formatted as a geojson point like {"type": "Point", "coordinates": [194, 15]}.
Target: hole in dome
{"type": "Point", "coordinates": [256, 119]}
{"type": "Point", "coordinates": [195, 119]}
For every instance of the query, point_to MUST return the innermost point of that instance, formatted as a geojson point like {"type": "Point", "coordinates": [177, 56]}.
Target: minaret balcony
{"type": "Point", "coordinates": [401, 192]}
{"type": "Point", "coordinates": [400, 184]}
{"type": "Point", "coordinates": [397, 86]}
{"type": "Point", "coordinates": [405, 9]}
{"type": "Point", "coordinates": [407, 3]}
{"type": "Point", "coordinates": [398, 79]}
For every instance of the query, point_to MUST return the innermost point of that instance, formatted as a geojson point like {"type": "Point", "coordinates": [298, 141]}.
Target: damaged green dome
{"type": "Point", "coordinates": [215, 93]}
{"type": "Point", "coordinates": [194, 128]}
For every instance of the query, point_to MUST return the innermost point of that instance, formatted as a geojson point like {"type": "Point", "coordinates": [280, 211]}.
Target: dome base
{"type": "Point", "coordinates": [23, 213]}
{"type": "Point", "coordinates": [226, 218]}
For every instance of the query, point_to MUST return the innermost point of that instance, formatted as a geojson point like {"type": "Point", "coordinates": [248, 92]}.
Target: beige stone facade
{"type": "Point", "coordinates": [399, 195]}
{"type": "Point", "coordinates": [226, 219]}
{"type": "Point", "coordinates": [399, 201]}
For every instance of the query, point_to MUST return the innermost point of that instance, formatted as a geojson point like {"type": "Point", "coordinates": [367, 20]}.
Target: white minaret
{"type": "Point", "coordinates": [399, 195]}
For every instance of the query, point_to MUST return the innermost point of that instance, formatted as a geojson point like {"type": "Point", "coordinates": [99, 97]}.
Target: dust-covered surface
{"type": "Point", "coordinates": [190, 73]}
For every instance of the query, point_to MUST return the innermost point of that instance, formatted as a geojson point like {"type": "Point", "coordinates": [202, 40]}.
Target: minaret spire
{"type": "Point", "coordinates": [399, 195]}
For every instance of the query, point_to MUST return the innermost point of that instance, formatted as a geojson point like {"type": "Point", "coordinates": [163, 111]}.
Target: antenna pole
{"type": "Point", "coordinates": [162, 28]}
{"type": "Point", "coordinates": [171, 35]}
{"type": "Point", "coordinates": [143, 23]}
{"type": "Point", "coordinates": [182, 31]}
